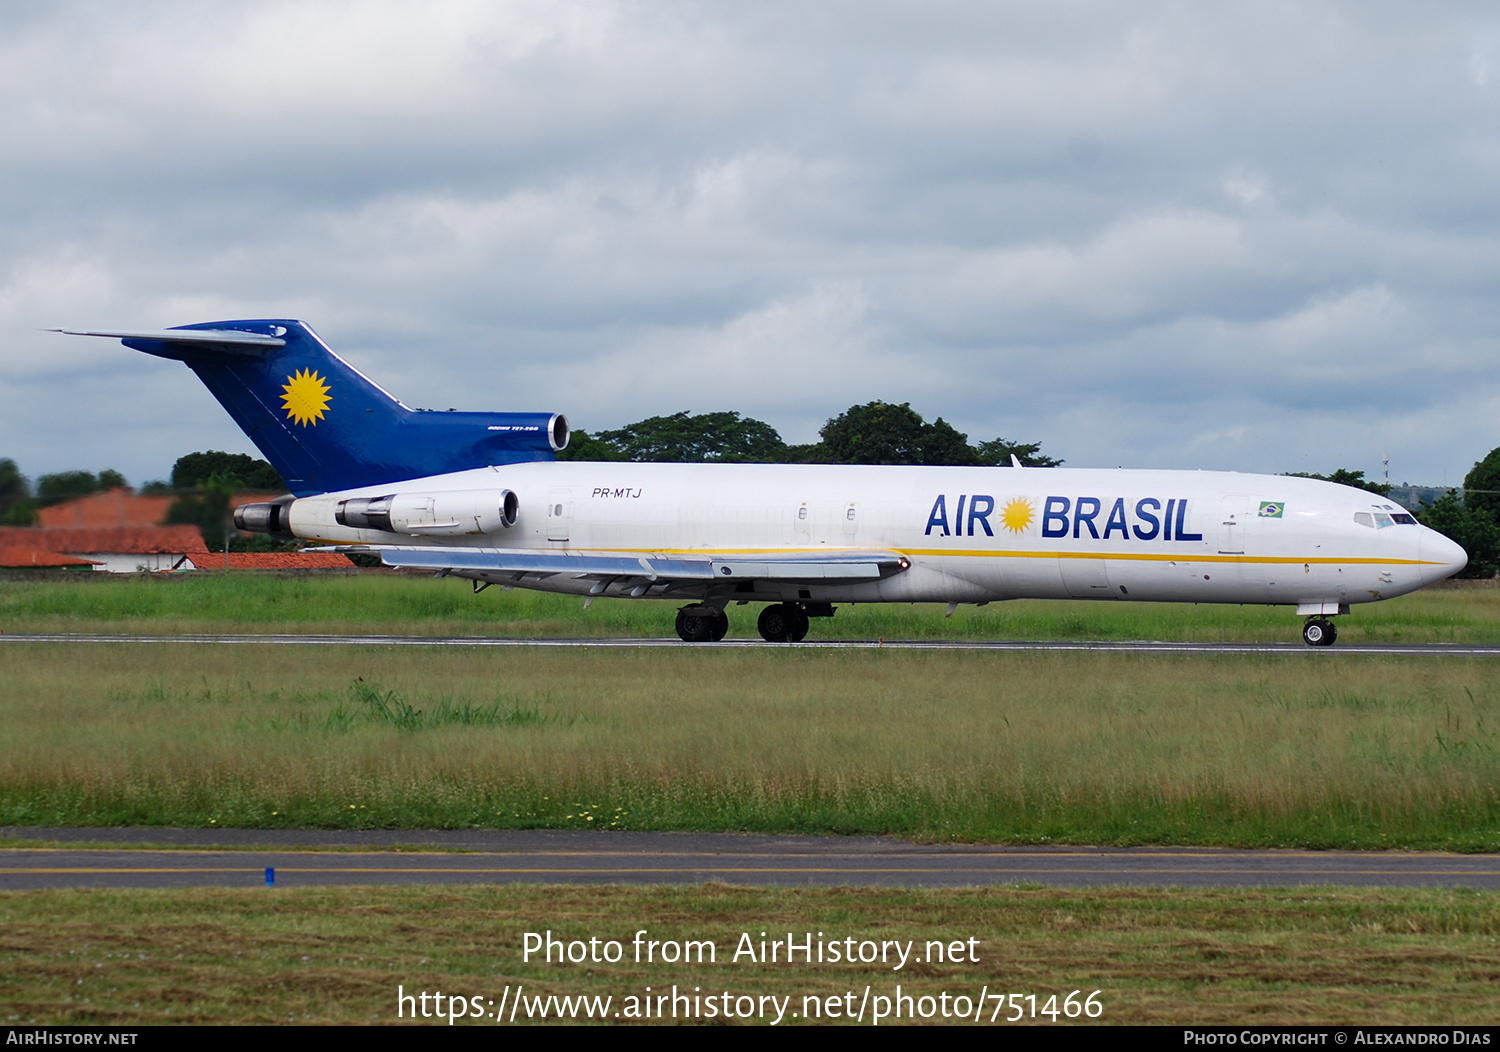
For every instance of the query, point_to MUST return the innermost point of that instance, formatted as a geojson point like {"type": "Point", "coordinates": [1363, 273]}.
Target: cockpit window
{"type": "Point", "coordinates": [1380, 520]}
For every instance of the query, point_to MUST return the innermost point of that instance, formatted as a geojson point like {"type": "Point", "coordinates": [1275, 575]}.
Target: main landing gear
{"type": "Point", "coordinates": [701, 624]}
{"type": "Point", "coordinates": [1319, 632]}
{"type": "Point", "coordinates": [779, 622]}
{"type": "Point", "coordinates": [783, 623]}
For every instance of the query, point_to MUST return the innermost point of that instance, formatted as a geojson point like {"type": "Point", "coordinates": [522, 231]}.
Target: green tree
{"type": "Point", "coordinates": [873, 433]}
{"type": "Point", "coordinates": [806, 453]}
{"type": "Point", "coordinates": [686, 438]}
{"type": "Point", "coordinates": [109, 478]}
{"type": "Point", "coordinates": [999, 451]}
{"type": "Point", "coordinates": [65, 485]}
{"type": "Point", "coordinates": [1474, 528]}
{"type": "Point", "coordinates": [235, 469]}
{"type": "Point", "coordinates": [13, 484]}
{"type": "Point", "coordinates": [1482, 485]}
{"type": "Point", "coordinates": [16, 508]}
{"type": "Point", "coordinates": [1345, 477]}
{"type": "Point", "coordinates": [942, 443]}
{"type": "Point", "coordinates": [207, 508]}
{"type": "Point", "coordinates": [884, 433]}
{"type": "Point", "coordinates": [584, 446]}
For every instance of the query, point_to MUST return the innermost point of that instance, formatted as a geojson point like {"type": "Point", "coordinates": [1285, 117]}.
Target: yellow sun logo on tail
{"type": "Point", "coordinates": [1016, 516]}
{"type": "Point", "coordinates": [305, 397]}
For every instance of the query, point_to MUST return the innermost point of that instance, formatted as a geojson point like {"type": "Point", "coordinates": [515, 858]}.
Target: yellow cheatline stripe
{"type": "Point", "coordinates": [981, 553]}
{"type": "Point", "coordinates": [1169, 558]}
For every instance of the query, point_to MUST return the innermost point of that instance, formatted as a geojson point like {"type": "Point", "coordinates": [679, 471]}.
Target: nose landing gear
{"type": "Point", "coordinates": [701, 624]}
{"type": "Point", "coordinates": [1319, 632]}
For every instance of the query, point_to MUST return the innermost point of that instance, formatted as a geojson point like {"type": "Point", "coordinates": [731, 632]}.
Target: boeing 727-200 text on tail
{"type": "Point", "coordinates": [482, 496]}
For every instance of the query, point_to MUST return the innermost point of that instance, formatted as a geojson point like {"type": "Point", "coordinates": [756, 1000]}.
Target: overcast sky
{"type": "Point", "coordinates": [1262, 237]}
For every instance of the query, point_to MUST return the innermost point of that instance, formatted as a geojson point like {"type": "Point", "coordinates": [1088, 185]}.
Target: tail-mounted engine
{"type": "Point", "coordinates": [431, 515]}
{"type": "Point", "coordinates": [272, 518]}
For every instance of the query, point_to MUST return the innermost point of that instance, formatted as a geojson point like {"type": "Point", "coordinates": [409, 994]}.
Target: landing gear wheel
{"type": "Point", "coordinates": [720, 627]}
{"type": "Point", "coordinates": [799, 623]}
{"type": "Point", "coordinates": [783, 623]}
{"type": "Point", "coordinates": [1319, 632]}
{"type": "Point", "coordinates": [775, 624]}
{"type": "Point", "coordinates": [693, 627]}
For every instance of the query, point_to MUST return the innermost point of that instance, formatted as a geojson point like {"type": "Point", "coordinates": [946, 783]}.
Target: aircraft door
{"type": "Point", "coordinates": [1086, 578]}
{"type": "Point", "coordinates": [800, 525]}
{"type": "Point", "coordinates": [559, 515]}
{"type": "Point", "coordinates": [1234, 524]}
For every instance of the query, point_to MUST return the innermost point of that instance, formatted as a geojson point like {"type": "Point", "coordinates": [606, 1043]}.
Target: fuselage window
{"type": "Point", "coordinates": [1404, 519]}
{"type": "Point", "coordinates": [1382, 520]}
{"type": "Point", "coordinates": [1364, 519]}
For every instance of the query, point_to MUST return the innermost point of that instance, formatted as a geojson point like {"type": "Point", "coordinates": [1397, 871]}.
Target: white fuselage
{"type": "Point", "coordinates": [971, 534]}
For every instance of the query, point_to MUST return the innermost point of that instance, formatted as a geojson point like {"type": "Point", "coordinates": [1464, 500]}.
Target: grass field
{"type": "Point", "coordinates": [1307, 750]}
{"type": "Point", "coordinates": [338, 955]}
{"type": "Point", "coordinates": [1316, 750]}
{"type": "Point", "coordinates": [1462, 612]}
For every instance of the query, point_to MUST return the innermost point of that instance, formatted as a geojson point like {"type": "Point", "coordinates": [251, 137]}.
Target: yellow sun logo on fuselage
{"type": "Point", "coordinates": [1017, 515]}
{"type": "Point", "coordinates": [305, 397]}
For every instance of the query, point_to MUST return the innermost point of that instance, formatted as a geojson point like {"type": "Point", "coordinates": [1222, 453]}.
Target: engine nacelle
{"type": "Point", "coordinates": [273, 518]}
{"type": "Point", "coordinates": [431, 514]}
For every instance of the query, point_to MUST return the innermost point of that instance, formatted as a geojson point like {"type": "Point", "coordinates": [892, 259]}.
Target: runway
{"type": "Point", "coordinates": [1129, 647]}
{"type": "Point", "coordinates": [301, 858]}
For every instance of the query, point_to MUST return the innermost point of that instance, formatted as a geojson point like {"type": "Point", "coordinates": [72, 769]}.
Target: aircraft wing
{"type": "Point", "coordinates": [700, 567]}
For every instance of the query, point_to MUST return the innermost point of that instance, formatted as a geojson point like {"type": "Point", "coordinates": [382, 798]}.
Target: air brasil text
{"type": "Point", "coordinates": [1149, 519]}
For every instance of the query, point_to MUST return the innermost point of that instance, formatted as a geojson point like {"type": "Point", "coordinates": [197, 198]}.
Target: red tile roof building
{"type": "Point", "coordinates": [31, 557]}
{"type": "Point", "coordinates": [276, 561]}
{"type": "Point", "coordinates": [117, 531]}
{"type": "Point", "coordinates": [116, 507]}
{"type": "Point", "coordinates": [119, 549]}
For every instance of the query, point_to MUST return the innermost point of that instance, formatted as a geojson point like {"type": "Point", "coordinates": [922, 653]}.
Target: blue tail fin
{"type": "Point", "coordinates": [323, 425]}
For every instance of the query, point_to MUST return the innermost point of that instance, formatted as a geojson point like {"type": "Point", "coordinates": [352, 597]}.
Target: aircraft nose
{"type": "Point", "coordinates": [1440, 549]}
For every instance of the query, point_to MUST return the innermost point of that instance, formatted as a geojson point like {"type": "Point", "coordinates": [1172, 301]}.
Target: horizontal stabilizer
{"type": "Point", "coordinates": [209, 337]}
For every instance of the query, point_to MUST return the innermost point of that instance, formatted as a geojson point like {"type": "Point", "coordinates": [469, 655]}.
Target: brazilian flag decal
{"type": "Point", "coordinates": [1271, 509]}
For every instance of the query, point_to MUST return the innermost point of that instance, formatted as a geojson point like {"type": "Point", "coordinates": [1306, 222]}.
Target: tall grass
{"type": "Point", "coordinates": [371, 705]}
{"type": "Point", "coordinates": [1186, 956]}
{"type": "Point", "coordinates": [1029, 747]}
{"type": "Point", "coordinates": [1466, 612]}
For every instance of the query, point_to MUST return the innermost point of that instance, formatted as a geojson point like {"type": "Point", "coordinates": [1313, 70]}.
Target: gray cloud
{"type": "Point", "coordinates": [1260, 237]}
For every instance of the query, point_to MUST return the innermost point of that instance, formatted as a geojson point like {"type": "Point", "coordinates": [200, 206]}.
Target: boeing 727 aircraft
{"type": "Point", "coordinates": [482, 496]}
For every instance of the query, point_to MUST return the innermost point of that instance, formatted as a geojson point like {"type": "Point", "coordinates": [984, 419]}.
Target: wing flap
{"type": "Point", "coordinates": [519, 561]}
{"type": "Point", "coordinates": [790, 567]}
{"type": "Point", "coordinates": [863, 569]}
